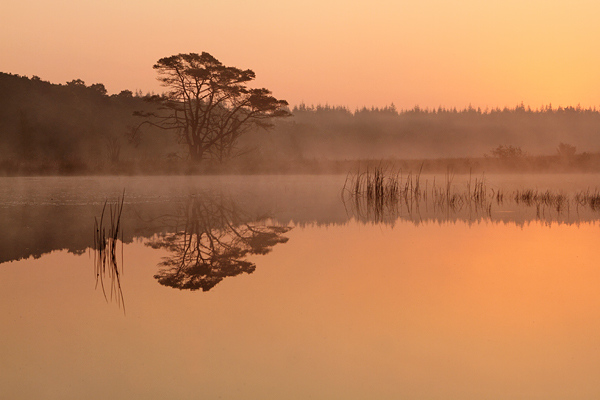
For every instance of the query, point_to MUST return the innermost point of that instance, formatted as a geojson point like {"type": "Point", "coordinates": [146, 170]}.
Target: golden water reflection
{"type": "Point", "coordinates": [355, 311]}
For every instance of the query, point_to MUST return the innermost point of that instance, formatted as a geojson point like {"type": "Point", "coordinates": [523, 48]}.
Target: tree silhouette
{"type": "Point", "coordinates": [209, 106]}
{"type": "Point", "coordinates": [566, 151]}
{"type": "Point", "coordinates": [508, 152]}
{"type": "Point", "coordinates": [210, 241]}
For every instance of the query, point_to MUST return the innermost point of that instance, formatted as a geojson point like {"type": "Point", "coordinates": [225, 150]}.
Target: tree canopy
{"type": "Point", "coordinates": [209, 105]}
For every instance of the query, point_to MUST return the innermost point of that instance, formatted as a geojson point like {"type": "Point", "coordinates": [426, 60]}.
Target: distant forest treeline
{"type": "Point", "coordinates": [337, 132]}
{"type": "Point", "coordinates": [74, 128]}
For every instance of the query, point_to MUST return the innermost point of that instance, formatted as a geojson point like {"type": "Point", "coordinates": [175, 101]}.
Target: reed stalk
{"type": "Point", "coordinates": [106, 236]}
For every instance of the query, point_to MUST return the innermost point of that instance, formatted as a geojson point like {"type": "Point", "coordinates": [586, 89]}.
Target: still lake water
{"type": "Point", "coordinates": [300, 296]}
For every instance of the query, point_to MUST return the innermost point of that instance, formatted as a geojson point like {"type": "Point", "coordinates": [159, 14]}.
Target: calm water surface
{"type": "Point", "coordinates": [299, 297]}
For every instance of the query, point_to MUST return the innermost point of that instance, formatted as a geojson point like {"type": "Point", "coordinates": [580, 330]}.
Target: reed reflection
{"type": "Point", "coordinates": [209, 240]}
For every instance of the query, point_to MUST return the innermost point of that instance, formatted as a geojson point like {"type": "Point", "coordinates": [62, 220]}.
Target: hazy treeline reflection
{"type": "Point", "coordinates": [43, 215]}
{"type": "Point", "coordinates": [208, 240]}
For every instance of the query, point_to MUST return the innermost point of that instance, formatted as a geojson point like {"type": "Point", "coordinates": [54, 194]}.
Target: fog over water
{"type": "Point", "coordinates": [256, 285]}
{"type": "Point", "coordinates": [46, 214]}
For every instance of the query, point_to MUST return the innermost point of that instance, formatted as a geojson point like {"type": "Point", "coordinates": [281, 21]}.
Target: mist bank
{"type": "Point", "coordinates": [79, 129]}
{"type": "Point", "coordinates": [59, 213]}
{"type": "Point", "coordinates": [339, 133]}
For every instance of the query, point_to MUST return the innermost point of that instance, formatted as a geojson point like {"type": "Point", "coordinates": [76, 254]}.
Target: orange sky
{"type": "Point", "coordinates": [352, 53]}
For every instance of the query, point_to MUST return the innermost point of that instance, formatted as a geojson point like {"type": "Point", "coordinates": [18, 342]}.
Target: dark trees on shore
{"type": "Point", "coordinates": [75, 128]}
{"type": "Point", "coordinates": [209, 106]}
{"type": "Point", "coordinates": [62, 128]}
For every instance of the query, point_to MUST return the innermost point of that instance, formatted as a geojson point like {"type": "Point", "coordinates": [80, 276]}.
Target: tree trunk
{"type": "Point", "coordinates": [196, 153]}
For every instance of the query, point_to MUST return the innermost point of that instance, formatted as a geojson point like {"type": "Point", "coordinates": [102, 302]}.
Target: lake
{"type": "Point", "coordinates": [285, 287]}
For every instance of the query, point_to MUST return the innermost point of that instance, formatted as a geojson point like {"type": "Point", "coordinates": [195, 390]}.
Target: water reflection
{"type": "Point", "coordinates": [208, 240]}
{"type": "Point", "coordinates": [483, 310]}
{"type": "Point", "coordinates": [40, 216]}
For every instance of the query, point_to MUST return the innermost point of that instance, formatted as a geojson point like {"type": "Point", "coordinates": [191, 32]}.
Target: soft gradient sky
{"type": "Point", "coordinates": [353, 53]}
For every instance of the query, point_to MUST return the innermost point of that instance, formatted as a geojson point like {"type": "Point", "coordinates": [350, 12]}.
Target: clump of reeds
{"type": "Point", "coordinates": [106, 235]}
{"type": "Point", "coordinates": [381, 192]}
{"type": "Point", "coordinates": [588, 198]}
{"type": "Point", "coordinates": [498, 195]}
{"type": "Point", "coordinates": [530, 197]}
{"type": "Point", "coordinates": [378, 192]}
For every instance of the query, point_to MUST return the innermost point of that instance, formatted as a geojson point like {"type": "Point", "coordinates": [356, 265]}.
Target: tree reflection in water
{"type": "Point", "coordinates": [210, 240]}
